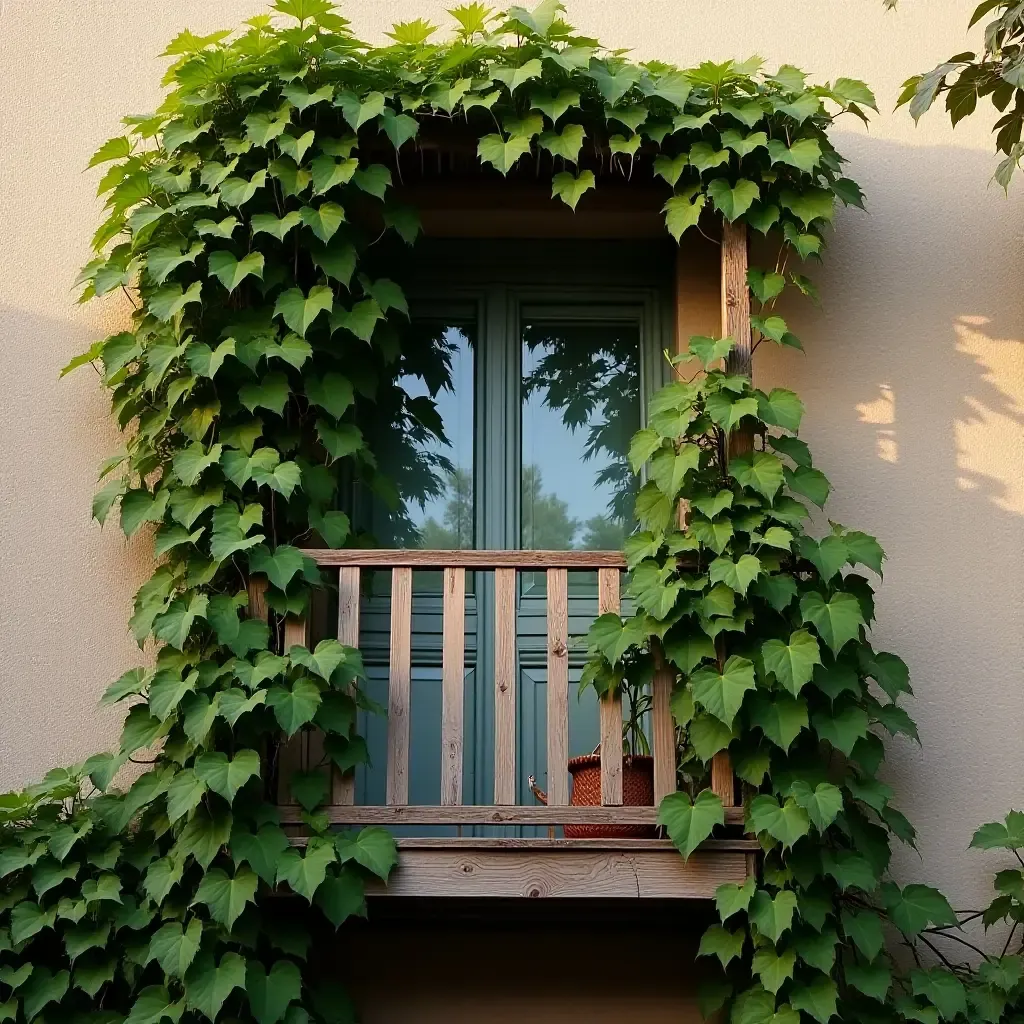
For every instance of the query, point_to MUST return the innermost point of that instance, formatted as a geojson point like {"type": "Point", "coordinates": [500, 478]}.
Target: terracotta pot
{"type": "Point", "coordinates": [637, 791]}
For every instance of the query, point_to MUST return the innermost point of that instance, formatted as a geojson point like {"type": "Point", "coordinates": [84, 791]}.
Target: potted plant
{"type": "Point", "coordinates": [632, 680]}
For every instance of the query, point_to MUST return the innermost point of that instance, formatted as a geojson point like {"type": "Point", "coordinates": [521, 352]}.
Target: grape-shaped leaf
{"type": "Point", "coordinates": [271, 393]}
{"type": "Point", "coordinates": [332, 392]}
{"type": "Point", "coordinates": [670, 167]}
{"type": "Point", "coordinates": [208, 984]}
{"type": "Point", "coordinates": [727, 410]}
{"type": "Point", "coordinates": [838, 620]}
{"type": "Point", "coordinates": [704, 156]}
{"type": "Point", "coordinates": [864, 929]}
{"type": "Point", "coordinates": [324, 221]}
{"type": "Point", "coordinates": [781, 408]}
{"type": "Point", "coordinates": [773, 917]}
{"type": "Point", "coordinates": [232, 272]}
{"type": "Point", "coordinates": [732, 201]}
{"type": "Point", "coordinates": [278, 566]}
{"type": "Point", "coordinates": [340, 441]}
{"type": "Point", "coordinates": [682, 211]}
{"type": "Point", "coordinates": [996, 835]}
{"type": "Point", "coordinates": [190, 462]}
{"type": "Point", "coordinates": [792, 663]}
{"type": "Point", "coordinates": [342, 896]}
{"type": "Point", "coordinates": [217, 229]}
{"type": "Point", "coordinates": [569, 187]}
{"type": "Point", "coordinates": [328, 172]}
{"type": "Point", "coordinates": [514, 77]}
{"type": "Point", "coordinates": [822, 802]}
{"type": "Point", "coordinates": [171, 300]}
{"type": "Point", "coordinates": [916, 907]}
{"type": "Point", "coordinates": [161, 261]}
{"type": "Point", "coordinates": [787, 822]}
{"type": "Point", "coordinates": [226, 896]}
{"type": "Point", "coordinates": [809, 204]}
{"type": "Point", "coordinates": [43, 988]}
{"type": "Point", "coordinates": [299, 311]}
{"type": "Point", "coordinates": [943, 989]}
{"type": "Point", "coordinates": [811, 483]}
{"type": "Point", "coordinates": [296, 706]}
{"type": "Point", "coordinates": [736, 575]}
{"type": "Point", "coordinates": [271, 994]}
{"type": "Point", "coordinates": [360, 319]}
{"type": "Point", "coordinates": [743, 144]}
{"type": "Point", "coordinates": [175, 947]}
{"type": "Point", "coordinates": [722, 694]}
{"type": "Point", "coordinates": [709, 350]}
{"type": "Point", "coordinates": [183, 794]}
{"type": "Point", "coordinates": [816, 999]}
{"type": "Point", "coordinates": [268, 224]}
{"type": "Point", "coordinates": [804, 154]}
{"type": "Point", "coordinates": [358, 111]}
{"type": "Point", "coordinates": [227, 776]}
{"type": "Point", "coordinates": [566, 144]}
{"type": "Point", "coordinates": [304, 871]}
{"type": "Point", "coordinates": [828, 555]}
{"type": "Point", "coordinates": [502, 154]}
{"type": "Point", "coordinates": [760, 471]}
{"type": "Point", "coordinates": [773, 968]}
{"type": "Point", "coordinates": [731, 898]}
{"type": "Point", "coordinates": [329, 654]}
{"type": "Point", "coordinates": [237, 191]}
{"type": "Point", "coordinates": [873, 979]}
{"type": "Point", "coordinates": [689, 824]}
{"type": "Point", "coordinates": [722, 943]}
{"type": "Point", "coordinates": [780, 717]}
{"type": "Point", "coordinates": [555, 106]}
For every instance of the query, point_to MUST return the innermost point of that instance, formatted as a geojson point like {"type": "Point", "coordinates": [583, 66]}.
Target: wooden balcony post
{"type": "Point", "coordinates": [735, 324]}
{"type": "Point", "coordinates": [558, 687]}
{"type": "Point", "coordinates": [343, 786]}
{"type": "Point", "coordinates": [611, 705]}
{"type": "Point", "coordinates": [453, 672]}
{"type": "Point", "coordinates": [505, 686]}
{"type": "Point", "coordinates": [399, 686]}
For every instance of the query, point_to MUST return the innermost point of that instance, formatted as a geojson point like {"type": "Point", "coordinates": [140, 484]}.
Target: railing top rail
{"type": "Point", "coordinates": [395, 558]}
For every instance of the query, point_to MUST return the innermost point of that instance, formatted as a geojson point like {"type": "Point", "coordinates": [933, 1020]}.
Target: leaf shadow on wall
{"type": "Point", "coordinates": [914, 386]}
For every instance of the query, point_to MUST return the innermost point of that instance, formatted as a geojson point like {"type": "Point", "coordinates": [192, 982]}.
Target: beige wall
{"type": "Point", "coordinates": [914, 377]}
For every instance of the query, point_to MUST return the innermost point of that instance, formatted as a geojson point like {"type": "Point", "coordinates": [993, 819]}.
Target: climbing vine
{"type": "Point", "coordinates": [251, 223]}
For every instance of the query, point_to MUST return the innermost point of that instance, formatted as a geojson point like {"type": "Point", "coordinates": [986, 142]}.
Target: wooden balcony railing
{"type": "Point", "coordinates": [305, 750]}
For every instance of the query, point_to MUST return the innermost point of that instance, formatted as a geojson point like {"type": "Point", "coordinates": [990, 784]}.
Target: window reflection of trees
{"type": "Point", "coordinates": [410, 438]}
{"type": "Point", "coordinates": [590, 373]}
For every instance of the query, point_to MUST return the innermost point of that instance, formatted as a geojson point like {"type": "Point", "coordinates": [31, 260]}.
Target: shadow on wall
{"type": "Point", "coordinates": [914, 384]}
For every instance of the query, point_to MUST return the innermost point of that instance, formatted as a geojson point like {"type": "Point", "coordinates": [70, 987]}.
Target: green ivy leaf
{"type": "Point", "coordinates": [227, 896]}
{"type": "Point", "coordinates": [760, 471]}
{"type": "Point", "coordinates": [670, 168]}
{"type": "Point", "coordinates": [175, 947]}
{"type": "Point", "coordinates": [372, 848]}
{"type": "Point", "coordinates": [786, 823]}
{"type": "Point", "coordinates": [773, 968]}
{"type": "Point", "coordinates": [341, 896]}
{"type": "Point", "coordinates": [300, 311]}
{"type": "Point", "coordinates": [732, 201]}
{"type": "Point", "coordinates": [780, 717]}
{"type": "Point", "coordinates": [184, 793]}
{"type": "Point", "coordinates": [822, 802]}
{"type": "Point", "coordinates": [227, 776]}
{"type": "Point", "coordinates": [271, 994]}
{"type": "Point", "coordinates": [232, 272]}
{"type": "Point", "coordinates": [731, 898]}
{"type": "Point", "coordinates": [689, 823]}
{"type": "Point", "coordinates": [727, 410]}
{"type": "Point", "coordinates": [502, 154]}
{"type": "Point", "coordinates": [569, 187]}
{"type": "Point", "coordinates": [781, 408]}
{"type": "Point", "coordinates": [44, 987]}
{"type": "Point", "coordinates": [305, 871]}
{"type": "Point", "coordinates": [792, 663]}
{"type": "Point", "coordinates": [864, 929]}
{"type": "Point", "coordinates": [942, 989]}
{"type": "Point", "coordinates": [916, 907]}
{"type": "Point", "coordinates": [838, 620]}
{"type": "Point", "coordinates": [828, 555]}
{"type": "Point", "coordinates": [873, 979]}
{"type": "Point", "coordinates": [279, 565]}
{"type": "Point", "coordinates": [772, 917]}
{"type": "Point", "coordinates": [722, 943]}
{"type": "Point", "coordinates": [817, 999]}
{"type": "Point", "coordinates": [722, 694]}
{"type": "Point", "coordinates": [296, 706]}
{"type": "Point", "coordinates": [208, 983]}
{"type": "Point", "coordinates": [682, 211]}
{"type": "Point", "coordinates": [738, 575]}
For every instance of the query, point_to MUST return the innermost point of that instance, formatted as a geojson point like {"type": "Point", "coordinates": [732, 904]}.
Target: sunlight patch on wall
{"type": "Point", "coordinates": [882, 413]}
{"type": "Point", "coordinates": [989, 425]}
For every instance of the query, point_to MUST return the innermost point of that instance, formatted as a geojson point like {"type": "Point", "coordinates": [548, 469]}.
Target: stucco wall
{"type": "Point", "coordinates": [914, 377]}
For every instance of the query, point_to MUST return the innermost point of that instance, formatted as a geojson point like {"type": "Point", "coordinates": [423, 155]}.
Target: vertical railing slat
{"type": "Point", "coordinates": [453, 676]}
{"type": "Point", "coordinates": [399, 686]}
{"type": "Point", "coordinates": [611, 706]}
{"type": "Point", "coordinates": [558, 688]}
{"type": "Point", "coordinates": [343, 787]}
{"type": "Point", "coordinates": [663, 730]}
{"type": "Point", "coordinates": [296, 753]}
{"type": "Point", "coordinates": [504, 686]}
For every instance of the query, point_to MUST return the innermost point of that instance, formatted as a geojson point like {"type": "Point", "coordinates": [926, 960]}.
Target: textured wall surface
{"type": "Point", "coordinates": [914, 373]}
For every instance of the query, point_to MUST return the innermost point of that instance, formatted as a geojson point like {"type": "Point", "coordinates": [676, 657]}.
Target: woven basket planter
{"type": "Point", "coordinates": [637, 791]}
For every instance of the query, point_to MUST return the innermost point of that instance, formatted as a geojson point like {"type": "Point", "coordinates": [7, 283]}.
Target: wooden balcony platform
{"type": "Point", "coordinates": [563, 869]}
{"type": "Point", "coordinates": [520, 868]}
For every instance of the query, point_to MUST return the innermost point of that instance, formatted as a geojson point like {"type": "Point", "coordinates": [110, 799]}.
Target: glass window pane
{"type": "Point", "coordinates": [580, 407]}
{"type": "Point", "coordinates": [431, 458]}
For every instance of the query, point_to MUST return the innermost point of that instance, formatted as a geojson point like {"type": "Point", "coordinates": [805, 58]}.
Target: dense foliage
{"type": "Point", "coordinates": [997, 73]}
{"type": "Point", "coordinates": [258, 389]}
